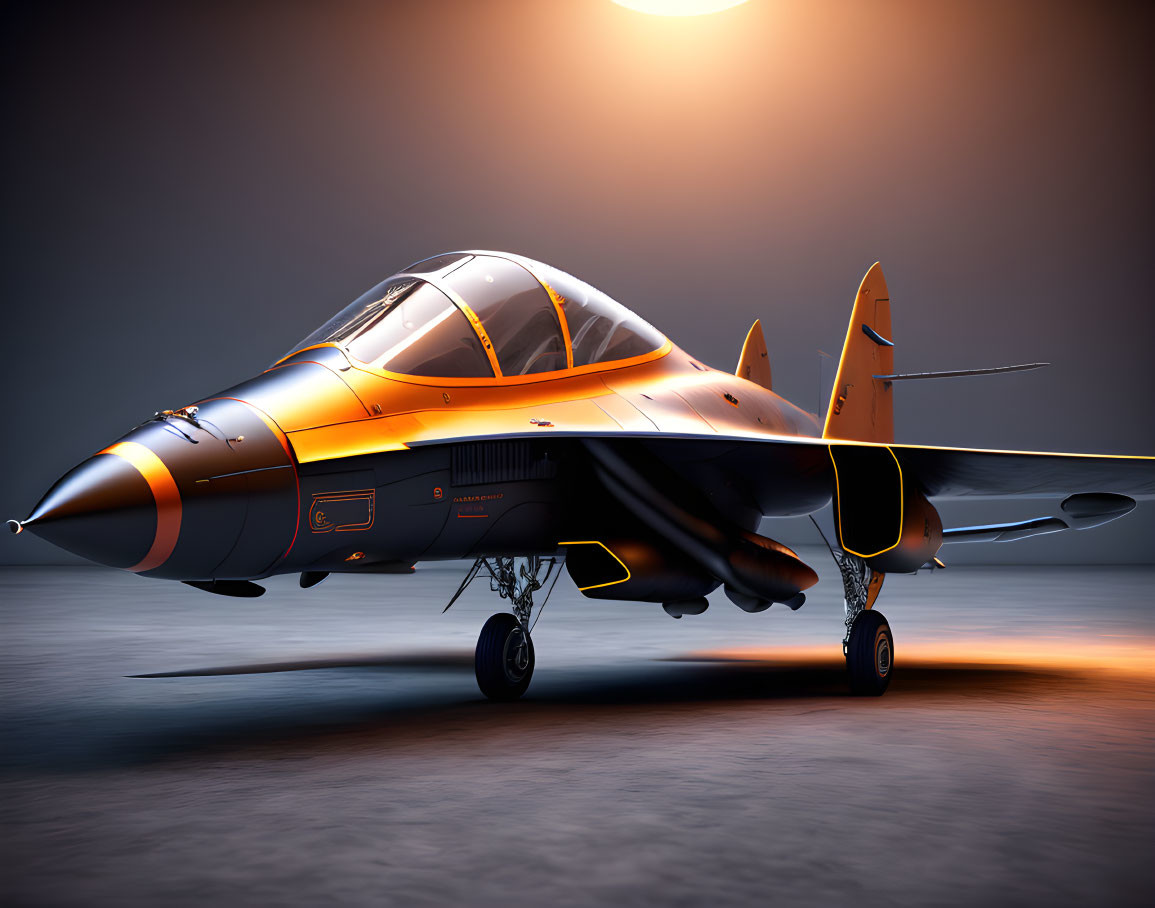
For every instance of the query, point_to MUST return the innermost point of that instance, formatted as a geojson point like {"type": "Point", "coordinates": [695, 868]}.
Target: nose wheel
{"type": "Point", "coordinates": [504, 658]}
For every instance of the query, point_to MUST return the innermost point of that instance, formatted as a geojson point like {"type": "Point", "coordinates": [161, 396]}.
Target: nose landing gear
{"type": "Point", "coordinates": [504, 658]}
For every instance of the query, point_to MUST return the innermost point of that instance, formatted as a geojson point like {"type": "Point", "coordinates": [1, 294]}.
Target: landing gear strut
{"type": "Point", "coordinates": [504, 657]}
{"type": "Point", "coordinates": [868, 644]}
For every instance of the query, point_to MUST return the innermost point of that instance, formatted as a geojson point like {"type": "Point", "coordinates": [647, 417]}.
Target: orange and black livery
{"type": "Point", "coordinates": [485, 406]}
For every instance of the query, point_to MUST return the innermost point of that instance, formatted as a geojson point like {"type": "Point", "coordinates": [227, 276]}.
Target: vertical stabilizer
{"type": "Point", "coordinates": [861, 406]}
{"type": "Point", "coordinates": [754, 363]}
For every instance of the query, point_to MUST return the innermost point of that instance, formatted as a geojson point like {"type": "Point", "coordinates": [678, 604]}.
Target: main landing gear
{"type": "Point", "coordinates": [504, 657]}
{"type": "Point", "coordinates": [868, 644]}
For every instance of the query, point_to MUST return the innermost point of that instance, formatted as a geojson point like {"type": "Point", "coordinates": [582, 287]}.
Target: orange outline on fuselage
{"type": "Point", "coordinates": [597, 586]}
{"type": "Point", "coordinates": [491, 382]}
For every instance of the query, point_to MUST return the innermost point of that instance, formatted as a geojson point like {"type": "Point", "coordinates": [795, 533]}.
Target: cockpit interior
{"type": "Point", "coordinates": [485, 315]}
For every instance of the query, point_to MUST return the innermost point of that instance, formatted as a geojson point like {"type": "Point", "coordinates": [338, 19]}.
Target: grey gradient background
{"type": "Point", "coordinates": [190, 188]}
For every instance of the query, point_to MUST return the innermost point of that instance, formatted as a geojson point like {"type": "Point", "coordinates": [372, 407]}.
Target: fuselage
{"type": "Point", "coordinates": [327, 462]}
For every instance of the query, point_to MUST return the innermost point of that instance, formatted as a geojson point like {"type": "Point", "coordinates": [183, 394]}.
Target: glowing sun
{"type": "Point", "coordinates": [678, 7]}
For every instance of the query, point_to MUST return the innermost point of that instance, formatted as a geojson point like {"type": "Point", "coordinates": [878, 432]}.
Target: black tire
{"type": "Point", "coordinates": [869, 654]}
{"type": "Point", "coordinates": [503, 664]}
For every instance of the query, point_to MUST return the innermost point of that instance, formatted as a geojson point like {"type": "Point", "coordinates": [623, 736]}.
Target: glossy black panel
{"type": "Point", "coordinates": [869, 491]}
{"type": "Point", "coordinates": [591, 564]}
{"type": "Point", "coordinates": [102, 510]}
{"type": "Point", "coordinates": [420, 512]}
{"type": "Point", "coordinates": [405, 493]}
{"type": "Point", "coordinates": [745, 480]}
{"type": "Point", "coordinates": [243, 589]}
{"type": "Point", "coordinates": [921, 536]}
{"type": "Point", "coordinates": [657, 572]}
{"type": "Point", "coordinates": [525, 522]}
{"type": "Point", "coordinates": [310, 579]}
{"type": "Point", "coordinates": [270, 523]}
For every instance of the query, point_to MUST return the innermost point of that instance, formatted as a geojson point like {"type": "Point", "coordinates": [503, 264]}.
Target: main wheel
{"type": "Point", "coordinates": [504, 658]}
{"type": "Point", "coordinates": [869, 654]}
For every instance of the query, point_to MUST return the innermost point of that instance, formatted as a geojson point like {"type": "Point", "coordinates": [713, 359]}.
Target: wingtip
{"type": "Point", "coordinates": [15, 526]}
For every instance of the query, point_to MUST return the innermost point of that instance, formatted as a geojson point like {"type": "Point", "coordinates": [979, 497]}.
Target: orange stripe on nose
{"type": "Point", "coordinates": [166, 495]}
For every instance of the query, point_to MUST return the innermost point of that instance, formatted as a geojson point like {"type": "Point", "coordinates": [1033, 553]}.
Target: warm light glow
{"type": "Point", "coordinates": [678, 7]}
{"type": "Point", "coordinates": [1120, 654]}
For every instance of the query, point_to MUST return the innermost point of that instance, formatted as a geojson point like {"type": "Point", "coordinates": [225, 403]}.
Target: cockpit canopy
{"type": "Point", "coordinates": [485, 315]}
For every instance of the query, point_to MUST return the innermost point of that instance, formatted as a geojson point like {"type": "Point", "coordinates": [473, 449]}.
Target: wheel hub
{"type": "Point", "coordinates": [516, 654]}
{"type": "Point", "coordinates": [882, 656]}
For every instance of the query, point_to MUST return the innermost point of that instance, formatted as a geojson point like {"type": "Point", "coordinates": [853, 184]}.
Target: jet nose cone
{"type": "Point", "coordinates": [109, 509]}
{"type": "Point", "coordinates": [208, 495]}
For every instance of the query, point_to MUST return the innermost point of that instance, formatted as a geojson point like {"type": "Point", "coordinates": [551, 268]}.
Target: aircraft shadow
{"type": "Point", "coordinates": [435, 692]}
{"type": "Point", "coordinates": [418, 661]}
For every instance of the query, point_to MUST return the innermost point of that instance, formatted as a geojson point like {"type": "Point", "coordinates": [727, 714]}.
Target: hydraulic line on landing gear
{"type": "Point", "coordinates": [516, 582]}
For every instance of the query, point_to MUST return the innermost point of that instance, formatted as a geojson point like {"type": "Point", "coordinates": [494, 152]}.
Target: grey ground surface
{"type": "Point", "coordinates": [712, 760]}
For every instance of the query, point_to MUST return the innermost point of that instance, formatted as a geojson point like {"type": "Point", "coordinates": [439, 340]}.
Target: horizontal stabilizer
{"type": "Point", "coordinates": [959, 373]}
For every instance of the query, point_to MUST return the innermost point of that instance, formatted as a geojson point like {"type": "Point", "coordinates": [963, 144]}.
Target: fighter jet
{"type": "Point", "coordinates": [482, 405]}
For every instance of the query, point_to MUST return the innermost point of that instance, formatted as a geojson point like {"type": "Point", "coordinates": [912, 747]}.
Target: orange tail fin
{"type": "Point", "coordinates": [861, 406]}
{"type": "Point", "coordinates": [754, 363]}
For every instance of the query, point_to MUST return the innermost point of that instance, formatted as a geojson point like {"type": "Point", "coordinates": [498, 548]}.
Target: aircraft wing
{"type": "Point", "coordinates": [1094, 489]}
{"type": "Point", "coordinates": [968, 472]}
{"type": "Point", "coordinates": [941, 472]}
{"type": "Point", "coordinates": [797, 475]}
{"type": "Point", "coordinates": [777, 465]}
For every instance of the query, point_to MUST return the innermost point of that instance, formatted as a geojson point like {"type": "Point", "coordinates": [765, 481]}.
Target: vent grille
{"type": "Point", "coordinates": [499, 461]}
